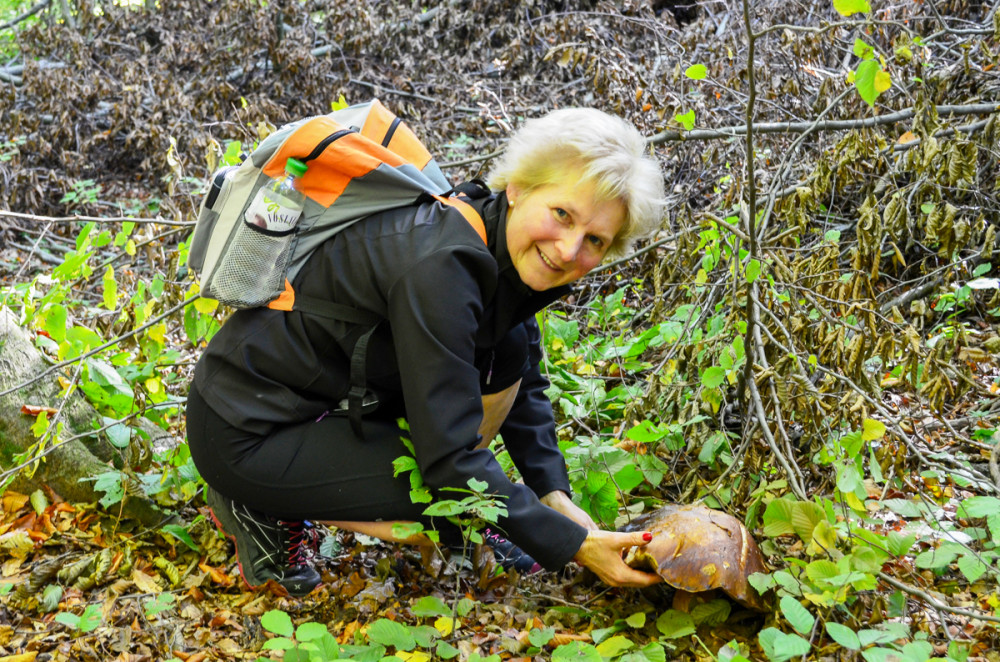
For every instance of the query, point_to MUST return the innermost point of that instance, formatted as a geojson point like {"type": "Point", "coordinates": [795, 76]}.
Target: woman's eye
{"type": "Point", "coordinates": [560, 213]}
{"type": "Point", "coordinates": [595, 241]}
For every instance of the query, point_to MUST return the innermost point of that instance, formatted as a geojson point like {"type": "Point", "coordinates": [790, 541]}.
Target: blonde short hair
{"type": "Point", "coordinates": [604, 149]}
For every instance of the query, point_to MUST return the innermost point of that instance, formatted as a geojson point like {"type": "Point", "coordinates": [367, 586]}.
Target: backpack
{"type": "Point", "coordinates": [361, 160]}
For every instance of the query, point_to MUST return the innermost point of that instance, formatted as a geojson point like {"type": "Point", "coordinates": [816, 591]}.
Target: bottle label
{"type": "Point", "coordinates": [272, 213]}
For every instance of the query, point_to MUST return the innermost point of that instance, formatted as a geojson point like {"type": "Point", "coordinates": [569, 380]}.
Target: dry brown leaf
{"type": "Point", "coordinates": [145, 583]}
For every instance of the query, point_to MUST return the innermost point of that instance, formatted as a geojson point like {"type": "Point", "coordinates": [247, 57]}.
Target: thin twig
{"type": "Point", "coordinates": [26, 15]}
{"type": "Point", "coordinates": [96, 350]}
{"type": "Point", "coordinates": [94, 219]}
{"type": "Point", "coordinates": [809, 126]}
{"type": "Point", "coordinates": [926, 597]}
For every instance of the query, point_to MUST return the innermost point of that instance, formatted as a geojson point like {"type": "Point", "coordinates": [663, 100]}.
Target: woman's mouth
{"type": "Point", "coordinates": [549, 263]}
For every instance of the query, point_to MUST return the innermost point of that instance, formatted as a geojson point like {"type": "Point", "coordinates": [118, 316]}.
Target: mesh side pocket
{"type": "Point", "coordinates": [251, 269]}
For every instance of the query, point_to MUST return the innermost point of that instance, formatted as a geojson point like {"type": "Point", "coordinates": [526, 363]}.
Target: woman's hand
{"type": "Point", "coordinates": [560, 501]}
{"type": "Point", "coordinates": [601, 551]}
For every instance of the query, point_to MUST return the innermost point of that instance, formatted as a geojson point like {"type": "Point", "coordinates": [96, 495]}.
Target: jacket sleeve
{"type": "Point", "coordinates": [433, 310]}
{"type": "Point", "coordinates": [529, 432]}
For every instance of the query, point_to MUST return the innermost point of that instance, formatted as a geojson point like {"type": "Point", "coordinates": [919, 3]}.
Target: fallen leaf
{"type": "Point", "coordinates": [35, 410]}
{"type": "Point", "coordinates": [20, 657]}
{"type": "Point", "coordinates": [145, 583]}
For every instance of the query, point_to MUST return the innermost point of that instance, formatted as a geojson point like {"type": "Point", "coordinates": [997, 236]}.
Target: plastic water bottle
{"type": "Point", "coordinates": [278, 204]}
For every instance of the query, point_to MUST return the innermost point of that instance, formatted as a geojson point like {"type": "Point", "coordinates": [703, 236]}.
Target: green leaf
{"type": "Point", "coordinates": [711, 613]}
{"type": "Point", "coordinates": [864, 81]}
{"type": "Point", "coordinates": [541, 637]}
{"type": "Point", "coordinates": [851, 7]}
{"type": "Point", "coordinates": [181, 534]}
{"type": "Point", "coordinates": [686, 120]}
{"type": "Point", "coordinates": [444, 508]}
{"type": "Point", "coordinates": [872, 430]}
{"type": "Point", "coordinates": [972, 567]}
{"type": "Point", "coordinates": [696, 71]}
{"type": "Point", "coordinates": [50, 597]}
{"type": "Point", "coordinates": [614, 646]}
{"type": "Point", "coordinates": [804, 517]}
{"type": "Point", "coordinates": [390, 633]}
{"type": "Point", "coordinates": [576, 651]}
{"type": "Point", "coordinates": [110, 288]}
{"type": "Point", "coordinates": [843, 635]}
{"type": "Point", "coordinates": [941, 557]}
{"type": "Point", "coordinates": [55, 322]}
{"type": "Point", "coordinates": [863, 50]}
{"type": "Point", "coordinates": [713, 377]}
{"type": "Point", "coordinates": [430, 605]}
{"type": "Point", "coordinates": [979, 506]}
{"type": "Point", "coordinates": [278, 622]}
{"type": "Point", "coordinates": [788, 646]}
{"type": "Point", "coordinates": [674, 624]}
{"type": "Point", "coordinates": [90, 618]}
{"type": "Point", "coordinates": [777, 518]}
{"type": "Point", "coordinates": [898, 544]}
{"type": "Point", "coordinates": [753, 270]}
{"type": "Point", "coordinates": [797, 615]}
{"type": "Point", "coordinates": [310, 631]}
{"type": "Point", "coordinates": [446, 651]}
{"type": "Point", "coordinates": [636, 620]}
{"type": "Point", "coordinates": [779, 646]}
{"type": "Point", "coordinates": [822, 570]}
{"type": "Point", "coordinates": [66, 618]}
{"type": "Point", "coordinates": [904, 507]}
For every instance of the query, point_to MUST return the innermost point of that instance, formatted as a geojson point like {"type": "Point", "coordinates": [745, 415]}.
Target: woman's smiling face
{"type": "Point", "coordinates": [558, 232]}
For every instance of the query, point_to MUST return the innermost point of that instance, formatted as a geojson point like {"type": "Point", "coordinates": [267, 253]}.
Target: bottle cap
{"type": "Point", "coordinates": [295, 167]}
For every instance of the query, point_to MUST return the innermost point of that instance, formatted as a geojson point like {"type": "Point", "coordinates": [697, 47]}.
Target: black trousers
{"type": "Point", "coordinates": [318, 469]}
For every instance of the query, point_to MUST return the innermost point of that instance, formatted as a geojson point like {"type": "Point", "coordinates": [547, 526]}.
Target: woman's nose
{"type": "Point", "coordinates": [568, 245]}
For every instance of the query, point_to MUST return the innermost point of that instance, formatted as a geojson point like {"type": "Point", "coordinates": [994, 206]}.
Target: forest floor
{"type": "Point", "coordinates": [809, 344]}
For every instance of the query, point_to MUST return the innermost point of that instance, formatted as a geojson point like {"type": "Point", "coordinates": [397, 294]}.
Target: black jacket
{"type": "Point", "coordinates": [444, 296]}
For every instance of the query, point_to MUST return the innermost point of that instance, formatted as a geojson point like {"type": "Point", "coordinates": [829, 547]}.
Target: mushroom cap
{"type": "Point", "coordinates": [696, 549]}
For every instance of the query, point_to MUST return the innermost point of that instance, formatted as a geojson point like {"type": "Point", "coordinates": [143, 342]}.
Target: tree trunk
{"type": "Point", "coordinates": [66, 468]}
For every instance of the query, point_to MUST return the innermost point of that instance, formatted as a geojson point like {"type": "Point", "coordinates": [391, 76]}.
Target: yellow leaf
{"type": "Point", "coordinates": [444, 625]}
{"type": "Point", "coordinates": [20, 657]}
{"type": "Point", "coordinates": [153, 384]}
{"type": "Point", "coordinates": [145, 583]}
{"type": "Point", "coordinates": [157, 332]}
{"type": "Point", "coordinates": [415, 656]}
{"type": "Point", "coordinates": [18, 543]}
{"type": "Point", "coordinates": [907, 137]}
{"type": "Point", "coordinates": [824, 538]}
{"type": "Point", "coordinates": [854, 502]}
{"type": "Point", "coordinates": [872, 430]}
{"type": "Point", "coordinates": [206, 306]}
{"type": "Point", "coordinates": [882, 81]}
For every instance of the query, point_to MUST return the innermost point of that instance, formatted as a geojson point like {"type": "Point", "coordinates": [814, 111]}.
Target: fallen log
{"type": "Point", "coordinates": [67, 466]}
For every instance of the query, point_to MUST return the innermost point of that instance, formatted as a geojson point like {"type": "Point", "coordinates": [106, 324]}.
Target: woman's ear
{"type": "Point", "coordinates": [512, 193]}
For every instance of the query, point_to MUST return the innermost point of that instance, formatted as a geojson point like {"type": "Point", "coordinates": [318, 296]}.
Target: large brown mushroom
{"type": "Point", "coordinates": [697, 549]}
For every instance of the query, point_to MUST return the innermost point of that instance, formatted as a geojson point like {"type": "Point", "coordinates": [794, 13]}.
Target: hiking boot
{"type": "Point", "coordinates": [508, 555]}
{"type": "Point", "coordinates": [266, 547]}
